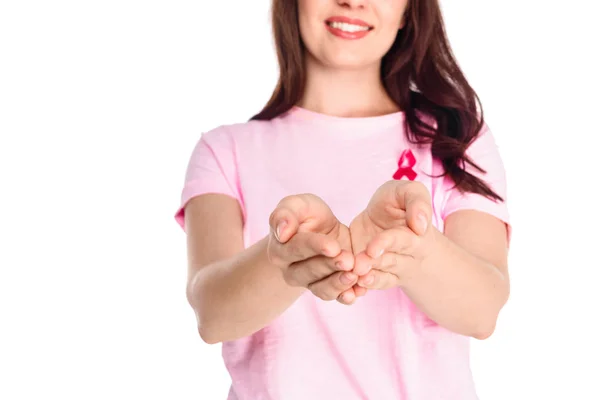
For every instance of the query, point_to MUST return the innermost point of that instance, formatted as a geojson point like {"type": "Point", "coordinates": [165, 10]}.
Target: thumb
{"type": "Point", "coordinates": [283, 223]}
{"type": "Point", "coordinates": [418, 208]}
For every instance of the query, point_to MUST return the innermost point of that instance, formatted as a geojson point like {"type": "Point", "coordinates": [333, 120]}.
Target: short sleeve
{"type": "Point", "coordinates": [484, 153]}
{"type": "Point", "coordinates": [212, 168]}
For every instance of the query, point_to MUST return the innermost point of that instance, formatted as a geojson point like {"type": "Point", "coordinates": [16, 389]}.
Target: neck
{"type": "Point", "coordinates": [346, 92]}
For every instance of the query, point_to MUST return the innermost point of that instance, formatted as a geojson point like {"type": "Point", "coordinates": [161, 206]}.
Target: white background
{"type": "Point", "coordinates": [101, 103]}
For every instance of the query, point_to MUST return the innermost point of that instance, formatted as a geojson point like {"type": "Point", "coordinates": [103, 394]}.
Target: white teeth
{"type": "Point", "coordinates": [343, 26]}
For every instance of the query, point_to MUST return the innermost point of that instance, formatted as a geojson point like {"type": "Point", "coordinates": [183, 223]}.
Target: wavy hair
{"type": "Point", "coordinates": [419, 73]}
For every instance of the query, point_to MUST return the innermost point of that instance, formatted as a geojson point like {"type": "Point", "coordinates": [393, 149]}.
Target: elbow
{"type": "Point", "coordinates": [208, 328]}
{"type": "Point", "coordinates": [208, 336]}
{"type": "Point", "coordinates": [484, 333]}
{"type": "Point", "coordinates": [485, 326]}
{"type": "Point", "coordinates": [206, 331]}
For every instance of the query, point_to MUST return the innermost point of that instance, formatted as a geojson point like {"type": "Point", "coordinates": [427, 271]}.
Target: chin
{"type": "Point", "coordinates": [348, 61]}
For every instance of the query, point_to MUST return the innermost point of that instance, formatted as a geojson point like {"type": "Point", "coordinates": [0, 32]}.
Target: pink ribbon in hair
{"type": "Point", "coordinates": [406, 164]}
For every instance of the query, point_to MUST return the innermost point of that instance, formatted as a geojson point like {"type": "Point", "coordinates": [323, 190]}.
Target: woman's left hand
{"type": "Point", "coordinates": [392, 235]}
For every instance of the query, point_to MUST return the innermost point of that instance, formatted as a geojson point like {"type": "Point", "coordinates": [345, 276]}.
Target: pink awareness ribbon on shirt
{"type": "Point", "coordinates": [406, 165]}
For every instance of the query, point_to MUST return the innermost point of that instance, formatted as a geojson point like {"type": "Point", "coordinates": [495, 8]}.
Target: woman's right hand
{"type": "Point", "coordinates": [312, 248]}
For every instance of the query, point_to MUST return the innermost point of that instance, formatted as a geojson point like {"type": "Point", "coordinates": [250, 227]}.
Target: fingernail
{"type": "Point", "coordinates": [340, 266]}
{"type": "Point", "coordinates": [423, 222]}
{"type": "Point", "coordinates": [369, 279]}
{"type": "Point", "coordinates": [347, 297]}
{"type": "Point", "coordinates": [379, 253]}
{"type": "Point", "coordinates": [280, 228]}
{"type": "Point", "coordinates": [347, 279]}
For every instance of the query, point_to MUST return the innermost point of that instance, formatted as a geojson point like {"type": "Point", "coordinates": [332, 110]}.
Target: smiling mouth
{"type": "Point", "coordinates": [348, 27]}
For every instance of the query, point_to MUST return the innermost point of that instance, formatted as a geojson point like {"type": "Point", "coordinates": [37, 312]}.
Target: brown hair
{"type": "Point", "coordinates": [419, 73]}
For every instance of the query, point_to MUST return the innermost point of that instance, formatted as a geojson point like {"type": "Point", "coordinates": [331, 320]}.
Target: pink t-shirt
{"type": "Point", "coordinates": [382, 347]}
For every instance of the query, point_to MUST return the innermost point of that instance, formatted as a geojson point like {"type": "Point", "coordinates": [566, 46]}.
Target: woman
{"type": "Point", "coordinates": [369, 178]}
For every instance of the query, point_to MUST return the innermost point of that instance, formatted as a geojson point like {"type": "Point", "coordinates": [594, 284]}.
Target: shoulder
{"type": "Point", "coordinates": [237, 132]}
{"type": "Point", "coordinates": [484, 141]}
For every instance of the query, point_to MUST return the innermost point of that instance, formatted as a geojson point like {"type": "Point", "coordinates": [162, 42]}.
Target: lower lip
{"type": "Point", "coordinates": [347, 35]}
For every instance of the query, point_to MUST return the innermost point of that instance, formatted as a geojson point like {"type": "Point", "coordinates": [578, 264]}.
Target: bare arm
{"type": "Point", "coordinates": [234, 292]}
{"type": "Point", "coordinates": [459, 278]}
{"type": "Point", "coordinates": [464, 282]}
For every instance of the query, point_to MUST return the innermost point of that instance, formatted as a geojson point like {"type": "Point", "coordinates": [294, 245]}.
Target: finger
{"type": "Point", "coordinates": [400, 241]}
{"type": "Point", "coordinates": [378, 280]}
{"type": "Point", "coordinates": [363, 263]}
{"type": "Point", "coordinates": [389, 262]}
{"type": "Point", "coordinates": [359, 291]}
{"type": "Point", "coordinates": [417, 203]}
{"type": "Point", "coordinates": [348, 297]}
{"type": "Point", "coordinates": [332, 286]}
{"type": "Point", "coordinates": [393, 264]}
{"type": "Point", "coordinates": [284, 222]}
{"type": "Point", "coordinates": [301, 212]}
{"type": "Point", "coordinates": [302, 246]}
{"type": "Point", "coordinates": [305, 272]}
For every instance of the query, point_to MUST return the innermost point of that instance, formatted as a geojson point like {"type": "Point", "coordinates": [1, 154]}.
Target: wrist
{"type": "Point", "coordinates": [429, 247]}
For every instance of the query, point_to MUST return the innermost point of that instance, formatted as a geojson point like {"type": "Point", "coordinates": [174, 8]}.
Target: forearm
{"type": "Point", "coordinates": [239, 296]}
{"type": "Point", "coordinates": [457, 289]}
